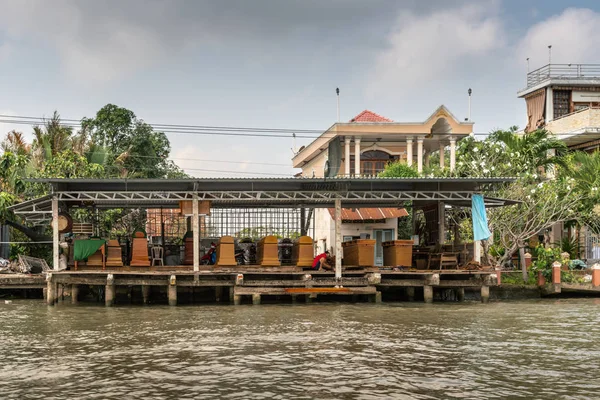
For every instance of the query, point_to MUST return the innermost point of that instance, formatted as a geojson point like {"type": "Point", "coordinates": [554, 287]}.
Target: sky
{"type": "Point", "coordinates": [276, 64]}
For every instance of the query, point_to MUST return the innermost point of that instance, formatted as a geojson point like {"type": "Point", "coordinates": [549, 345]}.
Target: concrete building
{"type": "Point", "coordinates": [565, 100]}
{"type": "Point", "coordinates": [367, 143]}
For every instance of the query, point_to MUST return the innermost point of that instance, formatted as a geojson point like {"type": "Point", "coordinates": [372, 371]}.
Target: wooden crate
{"type": "Point", "coordinates": [187, 207]}
{"type": "Point", "coordinates": [226, 252]}
{"type": "Point", "coordinates": [303, 252]}
{"type": "Point", "coordinates": [359, 252]}
{"type": "Point", "coordinates": [139, 250]}
{"type": "Point", "coordinates": [188, 258]}
{"type": "Point", "coordinates": [114, 255]}
{"type": "Point", "coordinates": [397, 253]}
{"type": "Point", "coordinates": [267, 252]}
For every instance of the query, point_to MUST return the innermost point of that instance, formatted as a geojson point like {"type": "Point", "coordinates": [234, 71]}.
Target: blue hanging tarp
{"type": "Point", "coordinates": [480, 224]}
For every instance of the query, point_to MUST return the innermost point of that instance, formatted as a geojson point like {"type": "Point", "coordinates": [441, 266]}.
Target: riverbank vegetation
{"type": "Point", "coordinates": [553, 185]}
{"type": "Point", "coordinates": [114, 143]}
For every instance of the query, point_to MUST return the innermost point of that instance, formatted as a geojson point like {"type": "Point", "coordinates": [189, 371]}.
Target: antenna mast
{"type": "Point", "coordinates": [469, 114]}
{"type": "Point", "coordinates": [337, 92]}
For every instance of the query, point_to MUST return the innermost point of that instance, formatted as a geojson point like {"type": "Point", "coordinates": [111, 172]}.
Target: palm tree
{"type": "Point", "coordinates": [15, 143]}
{"type": "Point", "coordinates": [585, 169]}
{"type": "Point", "coordinates": [538, 149]}
{"type": "Point", "coordinates": [50, 140]}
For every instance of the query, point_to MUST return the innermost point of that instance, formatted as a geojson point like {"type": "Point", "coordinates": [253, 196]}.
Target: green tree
{"type": "Point", "coordinates": [133, 148]}
{"type": "Point", "coordinates": [540, 205]}
{"type": "Point", "coordinates": [399, 169]}
{"type": "Point", "coordinates": [49, 140]}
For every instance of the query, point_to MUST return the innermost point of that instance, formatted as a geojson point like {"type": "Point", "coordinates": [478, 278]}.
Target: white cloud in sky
{"type": "Point", "coordinates": [573, 35]}
{"type": "Point", "coordinates": [5, 51]}
{"type": "Point", "coordinates": [428, 46]}
{"type": "Point", "coordinates": [96, 43]}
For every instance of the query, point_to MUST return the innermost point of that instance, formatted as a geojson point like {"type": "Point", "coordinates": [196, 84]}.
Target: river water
{"type": "Point", "coordinates": [530, 349]}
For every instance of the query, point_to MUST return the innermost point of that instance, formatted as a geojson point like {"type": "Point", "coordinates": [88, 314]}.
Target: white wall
{"type": "Point", "coordinates": [325, 229]}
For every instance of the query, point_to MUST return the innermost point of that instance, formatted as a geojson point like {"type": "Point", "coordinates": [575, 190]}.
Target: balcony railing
{"type": "Point", "coordinates": [563, 71]}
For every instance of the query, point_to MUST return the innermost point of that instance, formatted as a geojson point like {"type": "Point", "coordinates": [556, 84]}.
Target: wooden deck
{"type": "Point", "coordinates": [254, 281]}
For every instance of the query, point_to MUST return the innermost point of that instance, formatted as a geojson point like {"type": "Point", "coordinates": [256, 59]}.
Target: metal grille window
{"type": "Point", "coordinates": [562, 102]}
{"type": "Point", "coordinates": [253, 223]}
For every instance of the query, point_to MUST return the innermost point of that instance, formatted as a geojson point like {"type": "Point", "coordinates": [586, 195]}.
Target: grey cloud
{"type": "Point", "coordinates": [105, 40]}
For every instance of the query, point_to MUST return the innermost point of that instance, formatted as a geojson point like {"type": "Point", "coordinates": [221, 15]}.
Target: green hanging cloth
{"type": "Point", "coordinates": [84, 248]}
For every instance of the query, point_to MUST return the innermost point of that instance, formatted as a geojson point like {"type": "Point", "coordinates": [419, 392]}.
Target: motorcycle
{"type": "Point", "coordinates": [210, 258]}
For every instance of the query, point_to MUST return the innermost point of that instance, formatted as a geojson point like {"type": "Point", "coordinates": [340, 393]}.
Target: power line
{"type": "Point", "coordinates": [286, 133]}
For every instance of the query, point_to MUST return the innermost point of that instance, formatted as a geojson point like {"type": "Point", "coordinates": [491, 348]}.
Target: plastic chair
{"type": "Point", "coordinates": [157, 255]}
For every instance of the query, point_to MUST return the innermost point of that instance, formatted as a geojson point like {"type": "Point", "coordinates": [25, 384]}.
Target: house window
{"type": "Point", "coordinates": [374, 161]}
{"type": "Point", "coordinates": [561, 101]}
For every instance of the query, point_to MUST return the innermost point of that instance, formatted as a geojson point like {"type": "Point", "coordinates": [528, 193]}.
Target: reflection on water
{"type": "Point", "coordinates": [535, 349]}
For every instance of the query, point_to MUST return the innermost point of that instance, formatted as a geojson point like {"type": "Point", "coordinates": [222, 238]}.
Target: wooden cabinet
{"type": "Point", "coordinates": [359, 252]}
{"type": "Point", "coordinates": [267, 252]}
{"type": "Point", "coordinates": [226, 252]}
{"type": "Point", "coordinates": [303, 252]}
{"type": "Point", "coordinates": [397, 253]}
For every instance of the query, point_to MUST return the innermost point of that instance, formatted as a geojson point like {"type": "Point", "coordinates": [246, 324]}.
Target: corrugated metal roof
{"type": "Point", "coordinates": [364, 214]}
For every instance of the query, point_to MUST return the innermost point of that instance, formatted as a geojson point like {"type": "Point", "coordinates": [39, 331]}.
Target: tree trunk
{"type": "Point", "coordinates": [30, 233]}
{"type": "Point", "coordinates": [523, 266]}
{"type": "Point", "coordinates": [486, 258]}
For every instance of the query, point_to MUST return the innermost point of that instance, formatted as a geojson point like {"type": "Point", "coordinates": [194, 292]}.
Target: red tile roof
{"type": "Point", "coordinates": [363, 214]}
{"type": "Point", "coordinates": [370, 116]}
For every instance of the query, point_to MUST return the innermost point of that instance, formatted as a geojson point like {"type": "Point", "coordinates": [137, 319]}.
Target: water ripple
{"type": "Point", "coordinates": [534, 349]}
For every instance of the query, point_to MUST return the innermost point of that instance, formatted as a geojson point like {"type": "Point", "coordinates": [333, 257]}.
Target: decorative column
{"type": "Point", "coordinates": [409, 151]}
{"type": "Point", "coordinates": [442, 151]}
{"type": "Point", "coordinates": [55, 247]}
{"type": "Point", "coordinates": [420, 154]}
{"type": "Point", "coordinates": [452, 154]}
{"type": "Point", "coordinates": [356, 156]}
{"type": "Point", "coordinates": [347, 156]}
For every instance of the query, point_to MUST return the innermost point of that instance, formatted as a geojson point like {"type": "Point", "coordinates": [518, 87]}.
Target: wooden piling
{"type": "Point", "coordinates": [460, 294]}
{"type": "Point", "coordinates": [428, 294]}
{"type": "Point", "coordinates": [172, 291]}
{"type": "Point", "coordinates": [109, 291]}
{"type": "Point", "coordinates": [485, 294]}
{"type": "Point", "coordinates": [231, 294]}
{"type": "Point", "coordinates": [50, 290]}
{"type": "Point", "coordinates": [256, 299]}
{"type": "Point", "coordinates": [145, 293]}
{"type": "Point", "coordinates": [218, 293]}
{"type": "Point", "coordinates": [59, 293]}
{"type": "Point", "coordinates": [74, 294]}
{"type": "Point", "coordinates": [410, 292]}
{"type": "Point", "coordinates": [237, 299]}
{"type": "Point", "coordinates": [377, 297]}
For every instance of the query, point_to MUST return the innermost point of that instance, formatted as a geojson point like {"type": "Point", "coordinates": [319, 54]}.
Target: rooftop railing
{"type": "Point", "coordinates": [563, 71]}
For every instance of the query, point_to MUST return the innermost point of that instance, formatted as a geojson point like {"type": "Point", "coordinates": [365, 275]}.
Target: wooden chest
{"type": "Point", "coordinates": [303, 252]}
{"type": "Point", "coordinates": [267, 252]}
{"type": "Point", "coordinates": [397, 253]}
{"type": "Point", "coordinates": [226, 252]}
{"type": "Point", "coordinates": [359, 252]}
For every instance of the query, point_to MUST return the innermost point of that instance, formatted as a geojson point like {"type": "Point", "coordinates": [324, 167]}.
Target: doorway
{"type": "Point", "coordinates": [381, 235]}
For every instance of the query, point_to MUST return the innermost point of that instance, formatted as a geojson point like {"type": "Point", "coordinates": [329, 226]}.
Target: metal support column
{"type": "Point", "coordinates": [55, 247]}
{"type": "Point", "coordinates": [196, 232]}
{"type": "Point", "coordinates": [441, 223]}
{"type": "Point", "coordinates": [338, 239]}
